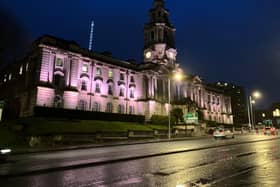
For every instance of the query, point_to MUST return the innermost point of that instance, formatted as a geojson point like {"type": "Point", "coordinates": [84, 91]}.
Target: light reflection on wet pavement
{"type": "Point", "coordinates": [254, 164]}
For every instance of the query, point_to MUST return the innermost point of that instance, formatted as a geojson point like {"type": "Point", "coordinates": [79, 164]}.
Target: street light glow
{"type": "Point", "coordinates": [257, 94]}
{"type": "Point", "coordinates": [178, 76]}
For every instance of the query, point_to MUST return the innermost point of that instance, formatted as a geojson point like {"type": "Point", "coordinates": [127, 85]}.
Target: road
{"type": "Point", "coordinates": [243, 161]}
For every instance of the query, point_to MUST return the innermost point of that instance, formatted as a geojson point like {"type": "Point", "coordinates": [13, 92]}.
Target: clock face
{"type": "Point", "coordinates": [148, 54]}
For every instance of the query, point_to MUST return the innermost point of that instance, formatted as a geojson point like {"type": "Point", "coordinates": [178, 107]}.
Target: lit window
{"type": "Point", "coordinates": [98, 71]}
{"type": "Point", "coordinates": [85, 68]}
{"type": "Point", "coordinates": [110, 74]}
{"type": "Point", "coordinates": [20, 70]}
{"type": "Point", "coordinates": [97, 88]}
{"type": "Point", "coordinates": [58, 62]}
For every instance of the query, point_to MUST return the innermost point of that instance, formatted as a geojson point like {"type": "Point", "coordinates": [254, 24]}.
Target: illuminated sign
{"type": "Point", "coordinates": [191, 118]}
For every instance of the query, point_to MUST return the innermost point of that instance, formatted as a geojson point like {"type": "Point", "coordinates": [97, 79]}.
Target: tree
{"type": "Point", "coordinates": [177, 113]}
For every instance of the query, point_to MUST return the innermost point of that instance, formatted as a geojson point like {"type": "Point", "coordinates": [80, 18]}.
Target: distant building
{"type": "Point", "coordinates": [238, 101]}
{"type": "Point", "coordinates": [269, 117]}
{"type": "Point", "coordinates": [59, 73]}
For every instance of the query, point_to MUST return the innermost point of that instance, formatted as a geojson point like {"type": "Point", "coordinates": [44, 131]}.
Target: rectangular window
{"type": "Point", "coordinates": [58, 62]}
{"type": "Point", "coordinates": [121, 92]}
{"type": "Point", "coordinates": [122, 77]}
{"type": "Point", "coordinates": [110, 73]}
{"type": "Point", "coordinates": [132, 93]}
{"type": "Point", "coordinates": [98, 71]}
{"type": "Point", "coordinates": [110, 90]}
{"type": "Point", "coordinates": [131, 79]}
{"type": "Point", "coordinates": [84, 86]}
{"type": "Point", "coordinates": [85, 68]}
{"type": "Point", "coordinates": [97, 88]}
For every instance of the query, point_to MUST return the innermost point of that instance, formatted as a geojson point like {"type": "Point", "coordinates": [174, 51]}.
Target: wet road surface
{"type": "Point", "coordinates": [247, 164]}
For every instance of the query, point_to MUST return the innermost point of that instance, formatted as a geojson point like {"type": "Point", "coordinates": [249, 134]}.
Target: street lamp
{"type": "Point", "coordinates": [177, 76]}
{"type": "Point", "coordinates": [252, 97]}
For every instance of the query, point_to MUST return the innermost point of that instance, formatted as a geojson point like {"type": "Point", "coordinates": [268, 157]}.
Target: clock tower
{"type": "Point", "coordinates": [159, 44]}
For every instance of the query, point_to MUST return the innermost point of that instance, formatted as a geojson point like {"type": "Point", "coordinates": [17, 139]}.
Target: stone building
{"type": "Point", "coordinates": [59, 73]}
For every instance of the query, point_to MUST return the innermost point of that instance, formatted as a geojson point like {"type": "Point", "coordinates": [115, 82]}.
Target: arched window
{"type": "Point", "coordinates": [109, 107]}
{"type": "Point", "coordinates": [121, 109]}
{"type": "Point", "coordinates": [131, 110]}
{"type": "Point", "coordinates": [82, 105]}
{"type": "Point", "coordinates": [96, 107]}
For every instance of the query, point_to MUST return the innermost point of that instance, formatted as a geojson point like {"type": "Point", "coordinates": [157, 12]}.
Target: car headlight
{"type": "Point", "coordinates": [5, 151]}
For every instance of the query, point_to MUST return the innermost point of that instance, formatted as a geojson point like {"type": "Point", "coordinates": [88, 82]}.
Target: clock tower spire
{"type": "Point", "coordinates": [159, 43]}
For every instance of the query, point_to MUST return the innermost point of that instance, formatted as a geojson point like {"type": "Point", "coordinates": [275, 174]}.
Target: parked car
{"type": "Point", "coordinates": [4, 153]}
{"type": "Point", "coordinates": [223, 133]}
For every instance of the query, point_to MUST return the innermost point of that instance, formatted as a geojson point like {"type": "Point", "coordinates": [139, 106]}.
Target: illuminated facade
{"type": "Point", "coordinates": [60, 74]}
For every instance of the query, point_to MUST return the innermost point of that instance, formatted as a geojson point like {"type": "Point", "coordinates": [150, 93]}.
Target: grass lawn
{"type": "Point", "coordinates": [41, 126]}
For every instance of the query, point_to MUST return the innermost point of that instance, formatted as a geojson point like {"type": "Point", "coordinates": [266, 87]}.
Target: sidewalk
{"type": "Point", "coordinates": [98, 145]}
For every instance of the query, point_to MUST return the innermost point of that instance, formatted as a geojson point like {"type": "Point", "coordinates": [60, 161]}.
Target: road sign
{"type": "Point", "coordinates": [191, 118]}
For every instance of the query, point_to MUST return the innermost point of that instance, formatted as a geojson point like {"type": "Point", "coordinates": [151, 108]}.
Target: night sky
{"type": "Point", "coordinates": [220, 40]}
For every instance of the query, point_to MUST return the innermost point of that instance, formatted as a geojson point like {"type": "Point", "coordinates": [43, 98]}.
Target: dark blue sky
{"type": "Point", "coordinates": [228, 40]}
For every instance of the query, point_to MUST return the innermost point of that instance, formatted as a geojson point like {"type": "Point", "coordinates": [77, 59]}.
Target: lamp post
{"type": "Point", "coordinates": [255, 95]}
{"type": "Point", "coordinates": [177, 76]}
{"type": "Point", "coordinates": [169, 117]}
